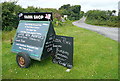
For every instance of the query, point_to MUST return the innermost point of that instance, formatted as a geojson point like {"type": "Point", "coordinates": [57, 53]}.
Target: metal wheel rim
{"type": "Point", "coordinates": [21, 61]}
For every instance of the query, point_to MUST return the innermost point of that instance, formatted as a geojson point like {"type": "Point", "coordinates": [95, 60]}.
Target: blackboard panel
{"type": "Point", "coordinates": [63, 51]}
{"type": "Point", "coordinates": [30, 38]}
{"type": "Point", "coordinates": [48, 46]}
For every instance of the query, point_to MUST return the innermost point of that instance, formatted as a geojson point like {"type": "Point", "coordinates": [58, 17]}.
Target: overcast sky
{"type": "Point", "coordinates": [85, 4]}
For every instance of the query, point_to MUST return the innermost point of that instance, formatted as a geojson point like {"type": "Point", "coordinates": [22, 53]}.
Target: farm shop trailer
{"type": "Point", "coordinates": [36, 39]}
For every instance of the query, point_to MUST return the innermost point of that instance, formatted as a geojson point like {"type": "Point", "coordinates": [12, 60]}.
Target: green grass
{"type": "Point", "coordinates": [95, 57]}
{"type": "Point", "coordinates": [7, 35]}
{"type": "Point", "coordinates": [0, 54]}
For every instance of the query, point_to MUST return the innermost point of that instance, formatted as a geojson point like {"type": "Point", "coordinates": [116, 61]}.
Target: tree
{"type": "Point", "coordinates": [73, 12]}
{"type": "Point", "coordinates": [31, 9]}
{"type": "Point", "coordinates": [81, 14]}
{"type": "Point", "coordinates": [100, 17]}
{"type": "Point", "coordinates": [67, 6]}
{"type": "Point", "coordinates": [113, 12]}
{"type": "Point", "coordinates": [9, 15]}
{"type": "Point", "coordinates": [109, 13]}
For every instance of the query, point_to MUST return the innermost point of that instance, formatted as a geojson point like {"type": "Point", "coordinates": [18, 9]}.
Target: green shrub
{"type": "Point", "coordinates": [102, 18]}
{"type": "Point", "coordinates": [57, 22]}
{"type": "Point", "coordinates": [8, 28]}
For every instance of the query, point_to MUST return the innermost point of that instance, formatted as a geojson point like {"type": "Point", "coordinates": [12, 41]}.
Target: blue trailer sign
{"type": "Point", "coordinates": [30, 38]}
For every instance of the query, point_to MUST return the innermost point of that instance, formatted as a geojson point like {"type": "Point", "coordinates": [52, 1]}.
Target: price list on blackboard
{"type": "Point", "coordinates": [63, 51]}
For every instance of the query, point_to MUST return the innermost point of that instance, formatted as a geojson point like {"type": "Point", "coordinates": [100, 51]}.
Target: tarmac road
{"type": "Point", "coordinates": [110, 32]}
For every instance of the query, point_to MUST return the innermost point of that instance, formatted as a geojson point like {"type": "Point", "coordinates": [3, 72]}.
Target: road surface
{"type": "Point", "coordinates": [110, 32]}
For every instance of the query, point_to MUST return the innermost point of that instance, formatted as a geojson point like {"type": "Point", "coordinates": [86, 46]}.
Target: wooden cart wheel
{"type": "Point", "coordinates": [23, 60]}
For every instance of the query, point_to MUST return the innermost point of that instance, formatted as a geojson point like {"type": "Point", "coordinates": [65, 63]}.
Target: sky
{"type": "Point", "coordinates": [85, 4]}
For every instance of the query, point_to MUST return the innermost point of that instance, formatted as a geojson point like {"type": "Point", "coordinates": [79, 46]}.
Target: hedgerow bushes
{"type": "Point", "coordinates": [105, 18]}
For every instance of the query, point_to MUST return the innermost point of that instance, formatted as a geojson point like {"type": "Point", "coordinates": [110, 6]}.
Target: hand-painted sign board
{"type": "Point", "coordinates": [36, 16]}
{"type": "Point", "coordinates": [31, 37]}
{"type": "Point", "coordinates": [36, 37]}
{"type": "Point", "coordinates": [63, 51]}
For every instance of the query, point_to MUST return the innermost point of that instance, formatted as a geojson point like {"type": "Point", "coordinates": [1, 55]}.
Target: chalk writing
{"type": "Point", "coordinates": [64, 51]}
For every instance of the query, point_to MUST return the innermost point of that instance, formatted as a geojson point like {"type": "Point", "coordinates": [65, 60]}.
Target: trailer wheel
{"type": "Point", "coordinates": [23, 60]}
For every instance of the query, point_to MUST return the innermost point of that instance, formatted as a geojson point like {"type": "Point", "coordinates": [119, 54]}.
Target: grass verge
{"type": "Point", "coordinates": [0, 54]}
{"type": "Point", "coordinates": [95, 57]}
{"type": "Point", "coordinates": [103, 23]}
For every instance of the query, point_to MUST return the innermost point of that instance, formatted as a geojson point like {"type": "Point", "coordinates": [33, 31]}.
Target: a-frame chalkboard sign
{"type": "Point", "coordinates": [36, 39]}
